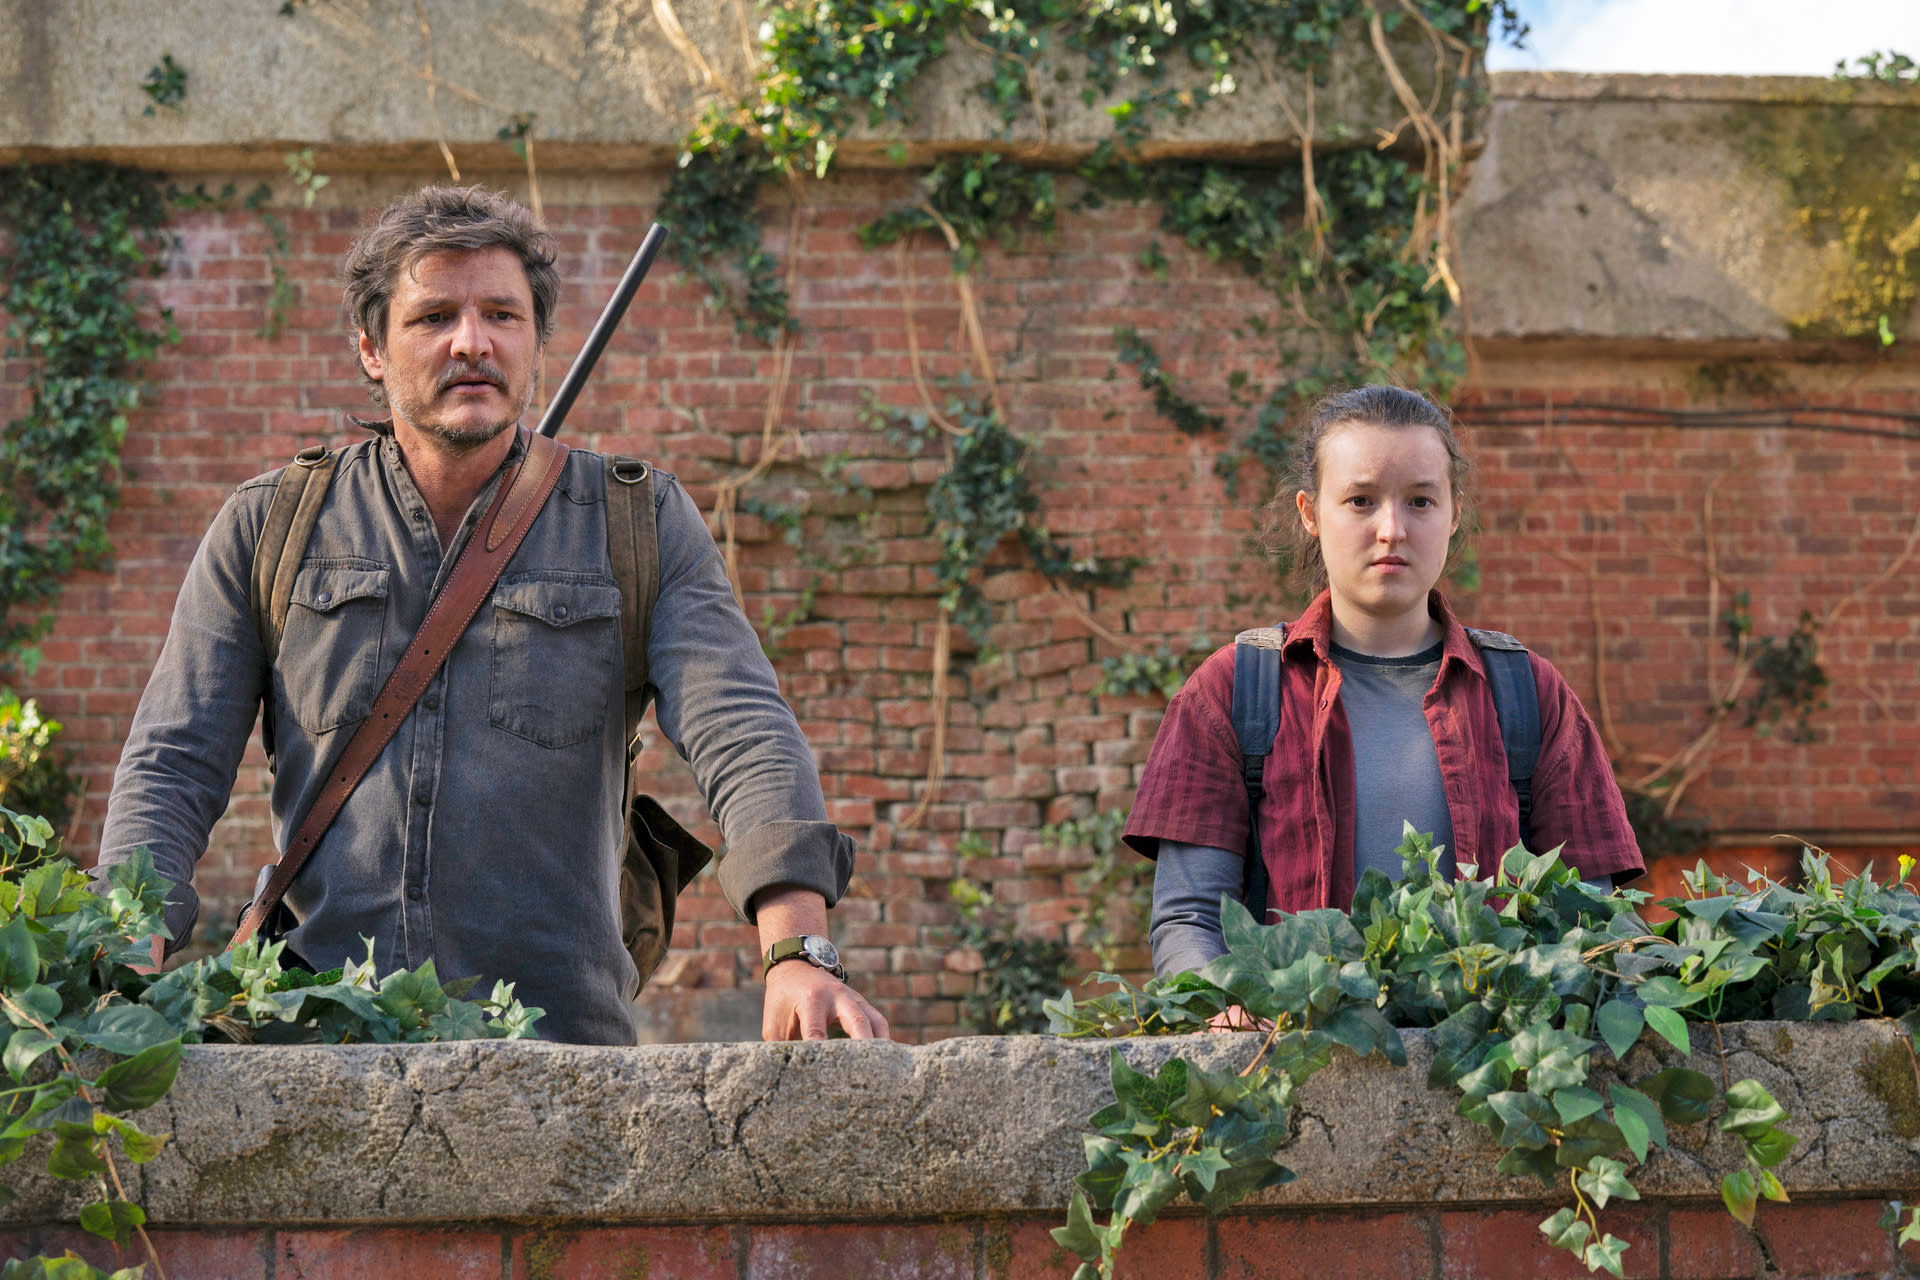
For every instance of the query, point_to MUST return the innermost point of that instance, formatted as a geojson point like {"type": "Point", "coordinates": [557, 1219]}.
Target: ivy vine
{"type": "Point", "coordinates": [94, 1038]}
{"type": "Point", "coordinates": [78, 238]}
{"type": "Point", "coordinates": [1522, 979]}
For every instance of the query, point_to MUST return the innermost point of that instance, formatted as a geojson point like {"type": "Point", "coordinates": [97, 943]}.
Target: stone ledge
{"type": "Point", "coordinates": [691, 1133]}
{"type": "Point", "coordinates": [367, 85]}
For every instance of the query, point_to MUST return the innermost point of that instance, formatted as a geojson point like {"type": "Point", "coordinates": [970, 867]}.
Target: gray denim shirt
{"type": "Point", "coordinates": [488, 835]}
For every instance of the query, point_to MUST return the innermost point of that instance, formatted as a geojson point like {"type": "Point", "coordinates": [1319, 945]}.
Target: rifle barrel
{"type": "Point", "coordinates": [569, 388]}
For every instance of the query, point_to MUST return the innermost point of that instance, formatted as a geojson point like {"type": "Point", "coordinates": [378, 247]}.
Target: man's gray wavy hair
{"type": "Point", "coordinates": [436, 220]}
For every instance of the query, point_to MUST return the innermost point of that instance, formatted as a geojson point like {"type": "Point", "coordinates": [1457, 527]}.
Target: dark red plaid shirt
{"type": "Point", "coordinates": [1193, 792]}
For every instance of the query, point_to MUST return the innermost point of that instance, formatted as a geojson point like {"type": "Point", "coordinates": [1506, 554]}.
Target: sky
{"type": "Point", "coordinates": [1719, 37]}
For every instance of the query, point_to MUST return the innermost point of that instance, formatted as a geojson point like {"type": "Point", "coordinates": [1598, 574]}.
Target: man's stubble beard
{"type": "Point", "coordinates": [454, 439]}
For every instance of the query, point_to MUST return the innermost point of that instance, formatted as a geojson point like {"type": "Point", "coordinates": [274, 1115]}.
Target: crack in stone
{"type": "Point", "coordinates": [387, 1178]}
{"type": "Point", "coordinates": [755, 1166]}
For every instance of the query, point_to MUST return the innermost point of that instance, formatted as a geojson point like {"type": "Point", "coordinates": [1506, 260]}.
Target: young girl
{"type": "Point", "coordinates": [1386, 713]}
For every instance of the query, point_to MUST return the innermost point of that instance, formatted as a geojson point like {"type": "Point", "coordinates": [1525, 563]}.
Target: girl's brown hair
{"type": "Point", "coordinates": [1385, 406]}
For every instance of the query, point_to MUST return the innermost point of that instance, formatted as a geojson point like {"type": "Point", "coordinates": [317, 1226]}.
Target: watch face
{"type": "Point", "coordinates": [821, 951]}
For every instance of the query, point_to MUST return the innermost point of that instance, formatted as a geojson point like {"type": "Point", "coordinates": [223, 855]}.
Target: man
{"type": "Point", "coordinates": [487, 836]}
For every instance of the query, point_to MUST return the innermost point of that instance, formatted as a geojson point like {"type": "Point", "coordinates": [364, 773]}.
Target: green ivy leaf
{"type": "Point", "coordinates": [1671, 1026]}
{"type": "Point", "coordinates": [142, 1080]}
{"type": "Point", "coordinates": [1574, 1103]}
{"type": "Point", "coordinates": [1740, 1192]}
{"type": "Point", "coordinates": [1684, 1096]}
{"type": "Point", "coordinates": [24, 1047]}
{"type": "Point", "coordinates": [1081, 1236]}
{"type": "Point", "coordinates": [1770, 1186]}
{"type": "Point", "coordinates": [112, 1219]}
{"type": "Point", "coordinates": [1751, 1110]}
{"type": "Point", "coordinates": [1620, 1025]}
{"type": "Point", "coordinates": [76, 1153]}
{"type": "Point", "coordinates": [1605, 1180]}
{"type": "Point", "coordinates": [1769, 1147]}
{"type": "Point", "coordinates": [1148, 1187]}
{"type": "Point", "coordinates": [19, 957]}
{"type": "Point", "coordinates": [36, 1003]}
{"type": "Point", "coordinates": [1204, 1167]}
{"type": "Point", "coordinates": [125, 1029]}
{"type": "Point", "coordinates": [1524, 1119]}
{"type": "Point", "coordinates": [1639, 1120]}
{"type": "Point", "coordinates": [1605, 1255]}
{"type": "Point", "coordinates": [1567, 1230]}
{"type": "Point", "coordinates": [1584, 1142]}
{"type": "Point", "coordinates": [1668, 993]}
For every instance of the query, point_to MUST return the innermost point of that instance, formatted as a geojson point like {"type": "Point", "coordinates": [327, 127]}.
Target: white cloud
{"type": "Point", "coordinates": [1714, 37]}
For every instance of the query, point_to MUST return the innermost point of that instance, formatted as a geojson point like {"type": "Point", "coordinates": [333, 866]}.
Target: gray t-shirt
{"type": "Point", "coordinates": [1396, 771]}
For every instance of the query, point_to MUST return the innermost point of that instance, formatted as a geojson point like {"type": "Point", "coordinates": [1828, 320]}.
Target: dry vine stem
{"type": "Point", "coordinates": [433, 109]}
{"type": "Point", "coordinates": [1669, 776]}
{"type": "Point", "coordinates": [772, 445]}
{"type": "Point", "coordinates": [106, 1152]}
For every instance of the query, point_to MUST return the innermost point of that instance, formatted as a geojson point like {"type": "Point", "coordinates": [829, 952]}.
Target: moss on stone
{"type": "Point", "coordinates": [1889, 1075]}
{"type": "Point", "coordinates": [1853, 177]}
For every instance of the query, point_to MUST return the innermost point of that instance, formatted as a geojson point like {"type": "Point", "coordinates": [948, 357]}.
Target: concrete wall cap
{"type": "Point", "coordinates": [519, 1130]}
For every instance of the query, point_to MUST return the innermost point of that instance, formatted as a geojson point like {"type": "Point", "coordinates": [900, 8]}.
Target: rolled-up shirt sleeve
{"type": "Point", "coordinates": [177, 770]}
{"type": "Point", "coordinates": [718, 701]}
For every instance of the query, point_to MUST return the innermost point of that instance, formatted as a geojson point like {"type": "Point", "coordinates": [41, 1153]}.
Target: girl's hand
{"type": "Point", "coordinates": [1237, 1019]}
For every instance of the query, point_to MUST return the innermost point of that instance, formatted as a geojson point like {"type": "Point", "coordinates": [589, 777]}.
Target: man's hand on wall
{"type": "Point", "coordinates": [805, 1002]}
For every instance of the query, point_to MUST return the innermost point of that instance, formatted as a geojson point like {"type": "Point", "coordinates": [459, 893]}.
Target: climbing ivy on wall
{"type": "Point", "coordinates": [1353, 246]}
{"type": "Point", "coordinates": [78, 237]}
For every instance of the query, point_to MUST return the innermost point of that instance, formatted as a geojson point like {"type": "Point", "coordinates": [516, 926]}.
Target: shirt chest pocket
{"type": "Point", "coordinates": [556, 656]}
{"type": "Point", "coordinates": [328, 670]}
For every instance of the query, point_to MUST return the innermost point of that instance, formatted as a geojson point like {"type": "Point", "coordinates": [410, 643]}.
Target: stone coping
{"type": "Point", "coordinates": [689, 1133]}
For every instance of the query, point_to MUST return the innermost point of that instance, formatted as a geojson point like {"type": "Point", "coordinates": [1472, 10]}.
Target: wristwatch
{"type": "Point", "coordinates": [811, 947]}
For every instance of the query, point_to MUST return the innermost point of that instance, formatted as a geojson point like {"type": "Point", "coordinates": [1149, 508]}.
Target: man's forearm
{"type": "Point", "coordinates": [786, 911]}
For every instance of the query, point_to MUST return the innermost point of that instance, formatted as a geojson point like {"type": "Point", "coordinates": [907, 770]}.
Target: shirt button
{"type": "Point", "coordinates": [419, 514]}
{"type": "Point", "coordinates": [433, 702]}
{"type": "Point", "coordinates": [423, 797]}
{"type": "Point", "coordinates": [325, 597]}
{"type": "Point", "coordinates": [559, 612]}
{"type": "Point", "coordinates": [413, 894]}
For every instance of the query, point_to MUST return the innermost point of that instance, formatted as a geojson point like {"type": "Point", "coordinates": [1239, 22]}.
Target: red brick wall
{"type": "Point", "coordinates": [1665, 1242]}
{"type": "Point", "coordinates": [1809, 516]}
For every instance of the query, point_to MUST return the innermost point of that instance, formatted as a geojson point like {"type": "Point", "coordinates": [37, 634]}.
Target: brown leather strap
{"type": "Point", "coordinates": [454, 606]}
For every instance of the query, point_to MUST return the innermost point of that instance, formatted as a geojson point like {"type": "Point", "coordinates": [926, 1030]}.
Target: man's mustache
{"type": "Point", "coordinates": [483, 371]}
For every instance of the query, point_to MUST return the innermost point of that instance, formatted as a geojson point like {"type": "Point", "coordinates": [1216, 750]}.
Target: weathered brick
{"type": "Point", "coordinates": [846, 1251]}
{"type": "Point", "coordinates": [1506, 1244]}
{"type": "Point", "coordinates": [1833, 1238]}
{"type": "Point", "coordinates": [1358, 1246]}
{"type": "Point", "coordinates": [621, 1253]}
{"type": "Point", "coordinates": [376, 1252]}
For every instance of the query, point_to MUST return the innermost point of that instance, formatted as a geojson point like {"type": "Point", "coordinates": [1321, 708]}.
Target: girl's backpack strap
{"type": "Point", "coordinates": [1256, 723]}
{"type": "Point", "coordinates": [1516, 700]}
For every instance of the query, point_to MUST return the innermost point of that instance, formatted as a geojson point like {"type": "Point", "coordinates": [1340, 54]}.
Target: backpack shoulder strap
{"type": "Point", "coordinates": [1516, 700]}
{"type": "Point", "coordinates": [633, 546]}
{"type": "Point", "coordinates": [295, 508]}
{"type": "Point", "coordinates": [291, 515]}
{"type": "Point", "coordinates": [1256, 723]}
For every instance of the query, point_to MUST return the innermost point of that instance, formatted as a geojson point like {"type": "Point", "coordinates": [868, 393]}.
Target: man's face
{"type": "Point", "coordinates": [461, 346]}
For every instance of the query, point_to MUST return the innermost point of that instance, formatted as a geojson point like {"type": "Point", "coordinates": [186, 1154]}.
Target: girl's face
{"type": "Point", "coordinates": [1383, 516]}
